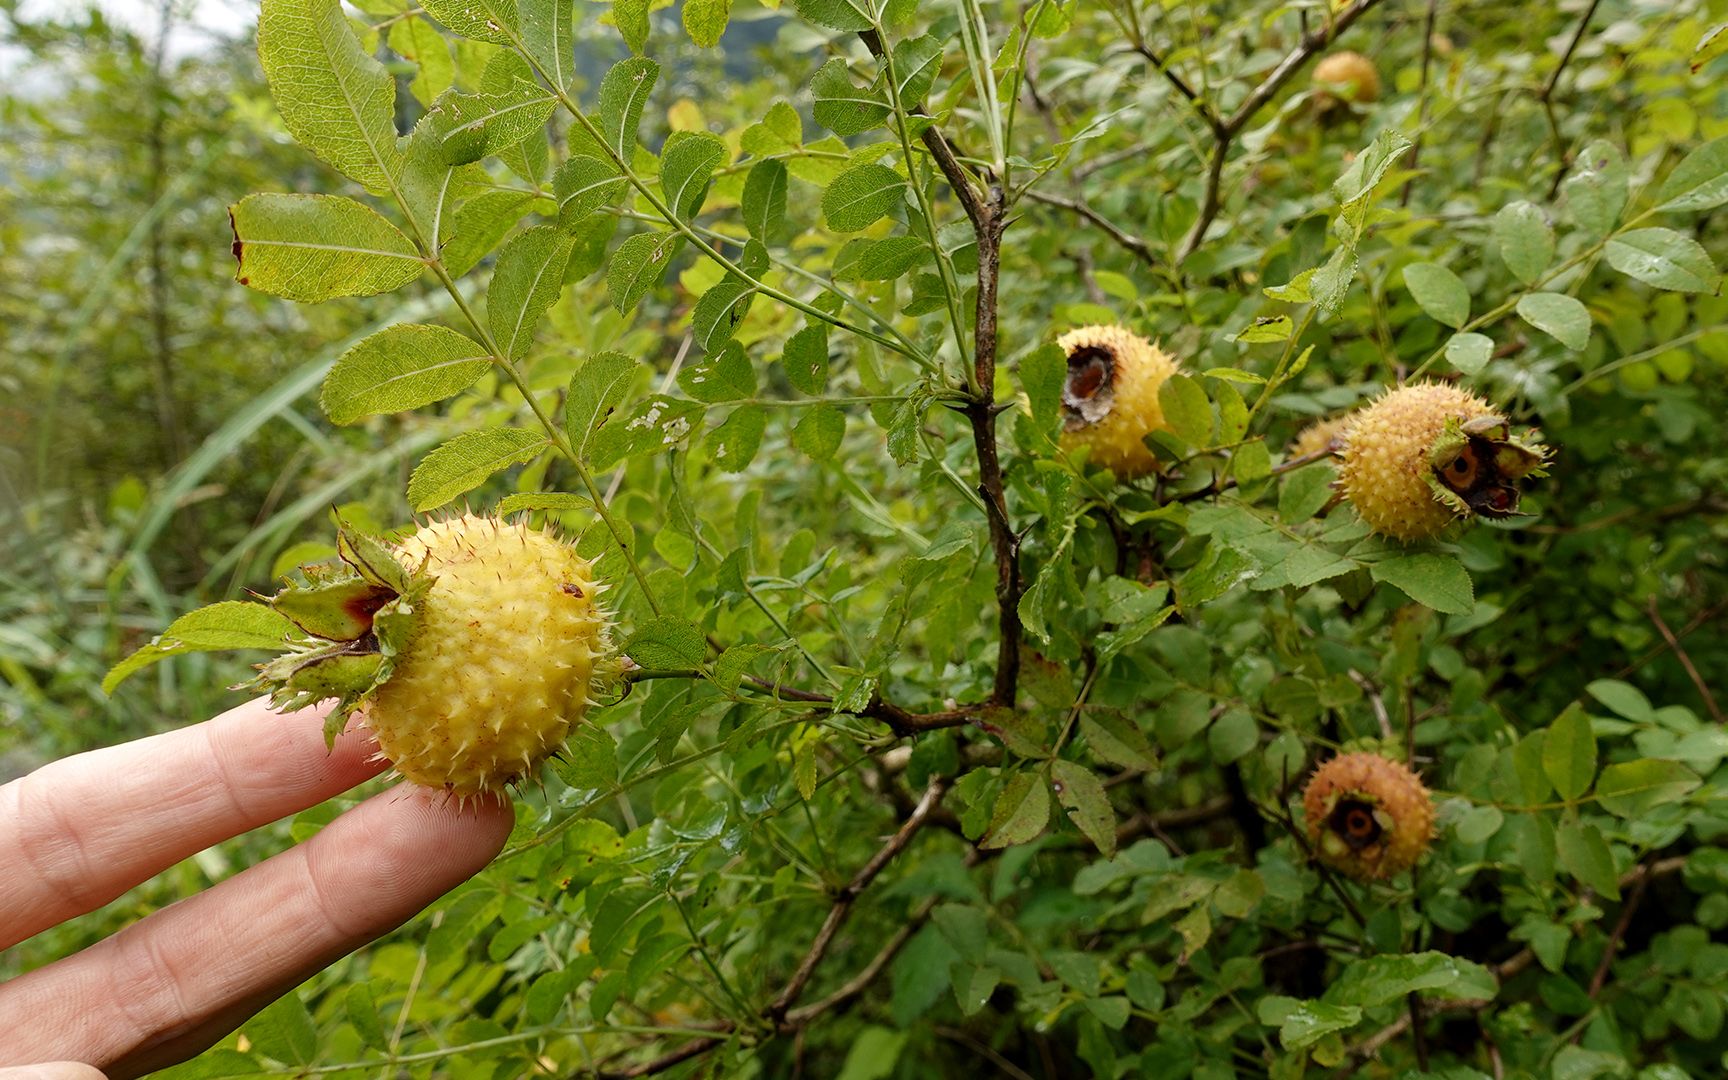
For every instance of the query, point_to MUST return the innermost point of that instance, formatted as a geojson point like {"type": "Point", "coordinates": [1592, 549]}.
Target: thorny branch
{"type": "Point", "coordinates": [1226, 130]}
{"type": "Point", "coordinates": [778, 1015]}
{"type": "Point", "coordinates": [987, 211]}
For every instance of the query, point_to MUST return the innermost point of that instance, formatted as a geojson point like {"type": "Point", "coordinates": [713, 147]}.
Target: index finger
{"type": "Point", "coordinates": [78, 832]}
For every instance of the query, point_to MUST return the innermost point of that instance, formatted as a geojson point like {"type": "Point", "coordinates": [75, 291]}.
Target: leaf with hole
{"type": "Point", "coordinates": [637, 266]}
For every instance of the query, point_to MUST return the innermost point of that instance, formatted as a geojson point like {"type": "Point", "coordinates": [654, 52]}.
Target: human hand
{"type": "Point", "coordinates": [78, 832]}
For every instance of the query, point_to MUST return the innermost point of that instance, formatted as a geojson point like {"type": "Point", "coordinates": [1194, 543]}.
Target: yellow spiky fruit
{"type": "Point", "coordinates": [1322, 435]}
{"type": "Point", "coordinates": [1425, 455]}
{"type": "Point", "coordinates": [1368, 816]}
{"type": "Point", "coordinates": [1110, 397]}
{"type": "Point", "coordinates": [1349, 75]}
{"type": "Point", "coordinates": [509, 640]}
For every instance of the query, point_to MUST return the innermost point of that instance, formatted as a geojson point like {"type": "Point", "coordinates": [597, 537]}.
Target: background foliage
{"type": "Point", "coordinates": [947, 753]}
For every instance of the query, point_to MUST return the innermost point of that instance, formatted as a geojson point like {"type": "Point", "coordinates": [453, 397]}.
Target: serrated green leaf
{"type": "Point", "coordinates": [596, 391]}
{"type": "Point", "coordinates": [717, 314]}
{"type": "Point", "coordinates": [819, 432]}
{"type": "Point", "coordinates": [1624, 698]}
{"type": "Point", "coordinates": [917, 62]}
{"type": "Point", "coordinates": [401, 368]}
{"type": "Point", "coordinates": [841, 105]}
{"type": "Point", "coordinates": [705, 21]}
{"type": "Point", "coordinates": [1596, 190]}
{"type": "Point", "coordinates": [1700, 181]}
{"type": "Point", "coordinates": [725, 376]}
{"type": "Point", "coordinates": [1470, 353]}
{"type": "Point", "coordinates": [1559, 316]}
{"type": "Point", "coordinates": [686, 165]}
{"type": "Point", "coordinates": [1525, 240]}
{"type": "Point", "coordinates": [805, 359]}
{"type": "Point", "coordinates": [527, 280]}
{"type": "Point", "coordinates": [849, 15]}
{"type": "Point", "coordinates": [1379, 980]}
{"type": "Point", "coordinates": [764, 200]}
{"type": "Point", "coordinates": [779, 131]}
{"type": "Point", "coordinates": [1266, 328]}
{"type": "Point", "coordinates": [1186, 409]}
{"type": "Point", "coordinates": [472, 126]}
{"type": "Point", "coordinates": [231, 624]}
{"type": "Point", "coordinates": [1630, 788]}
{"type": "Point", "coordinates": [1439, 292]}
{"type": "Point", "coordinates": [316, 247]}
{"type": "Point", "coordinates": [545, 31]}
{"type": "Point", "coordinates": [891, 257]}
{"type": "Point", "coordinates": [1043, 372]}
{"type": "Point", "coordinates": [734, 443]}
{"type": "Point", "coordinates": [1585, 855]}
{"type": "Point", "coordinates": [583, 185]}
{"type": "Point", "coordinates": [1569, 753]}
{"type": "Point", "coordinates": [1663, 258]}
{"type": "Point", "coordinates": [1082, 793]}
{"type": "Point", "coordinates": [1115, 740]}
{"type": "Point", "coordinates": [493, 21]}
{"type": "Point", "coordinates": [478, 225]}
{"type": "Point", "coordinates": [667, 642]}
{"type": "Point", "coordinates": [335, 99]}
{"type": "Point", "coordinates": [623, 93]}
{"type": "Point", "coordinates": [1020, 813]}
{"type": "Point", "coordinates": [589, 760]}
{"type": "Point", "coordinates": [1310, 1021]}
{"type": "Point", "coordinates": [417, 41]}
{"type": "Point", "coordinates": [465, 462]}
{"type": "Point", "coordinates": [861, 196]}
{"type": "Point", "coordinates": [632, 19]}
{"type": "Point", "coordinates": [541, 500]}
{"type": "Point", "coordinates": [637, 266]}
{"type": "Point", "coordinates": [1438, 581]}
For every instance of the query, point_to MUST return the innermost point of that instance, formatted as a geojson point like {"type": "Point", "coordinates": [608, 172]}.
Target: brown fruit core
{"type": "Point", "coordinates": [1354, 821]}
{"type": "Point", "coordinates": [1476, 476]}
{"type": "Point", "coordinates": [1089, 390]}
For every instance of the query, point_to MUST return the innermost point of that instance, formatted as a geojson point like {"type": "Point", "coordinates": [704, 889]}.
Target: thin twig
{"type": "Point", "coordinates": [1685, 660]}
{"type": "Point", "coordinates": [1226, 130]}
{"type": "Point", "coordinates": [1618, 934]}
{"type": "Point", "coordinates": [779, 1015]}
{"type": "Point", "coordinates": [1546, 97]}
{"type": "Point", "coordinates": [1422, 110]}
{"type": "Point", "coordinates": [1201, 105]}
{"type": "Point", "coordinates": [1139, 248]}
{"type": "Point", "coordinates": [848, 895]}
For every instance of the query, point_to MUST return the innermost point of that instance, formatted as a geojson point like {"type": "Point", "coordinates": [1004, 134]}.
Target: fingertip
{"type": "Point", "coordinates": [52, 1070]}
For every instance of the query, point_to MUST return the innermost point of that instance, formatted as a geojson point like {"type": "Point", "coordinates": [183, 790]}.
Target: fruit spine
{"type": "Point", "coordinates": [1110, 397]}
{"type": "Point", "coordinates": [1423, 456]}
{"type": "Point", "coordinates": [1368, 816]}
{"type": "Point", "coordinates": [469, 649]}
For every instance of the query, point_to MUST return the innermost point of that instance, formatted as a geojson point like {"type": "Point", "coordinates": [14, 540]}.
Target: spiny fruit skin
{"type": "Point", "coordinates": [1349, 75]}
{"type": "Point", "coordinates": [509, 639]}
{"type": "Point", "coordinates": [1387, 467]}
{"type": "Point", "coordinates": [1110, 397]}
{"type": "Point", "coordinates": [1368, 816]}
{"type": "Point", "coordinates": [1322, 435]}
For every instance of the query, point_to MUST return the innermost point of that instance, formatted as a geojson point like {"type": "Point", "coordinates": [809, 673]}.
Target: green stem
{"type": "Point", "coordinates": [553, 430]}
{"type": "Point", "coordinates": [689, 232]}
